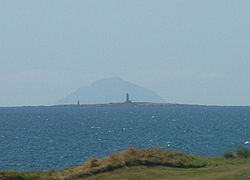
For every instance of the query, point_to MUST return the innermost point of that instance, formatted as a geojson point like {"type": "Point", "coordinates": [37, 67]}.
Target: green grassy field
{"type": "Point", "coordinates": [149, 164]}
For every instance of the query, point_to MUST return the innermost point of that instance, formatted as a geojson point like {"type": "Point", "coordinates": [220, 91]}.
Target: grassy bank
{"type": "Point", "coordinates": [149, 164]}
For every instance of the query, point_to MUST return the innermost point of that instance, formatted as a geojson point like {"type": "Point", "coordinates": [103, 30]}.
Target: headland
{"type": "Point", "coordinates": [148, 164]}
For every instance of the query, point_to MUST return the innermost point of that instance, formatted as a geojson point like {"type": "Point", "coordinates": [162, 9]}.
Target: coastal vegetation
{"type": "Point", "coordinates": [148, 164]}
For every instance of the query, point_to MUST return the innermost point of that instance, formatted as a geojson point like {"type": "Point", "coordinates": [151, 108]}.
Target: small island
{"type": "Point", "coordinates": [127, 102]}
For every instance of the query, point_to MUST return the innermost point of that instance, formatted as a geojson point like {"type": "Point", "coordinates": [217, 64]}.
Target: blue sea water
{"type": "Point", "coordinates": [42, 138]}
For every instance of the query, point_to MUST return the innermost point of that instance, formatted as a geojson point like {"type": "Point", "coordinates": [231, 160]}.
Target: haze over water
{"type": "Point", "coordinates": [192, 52]}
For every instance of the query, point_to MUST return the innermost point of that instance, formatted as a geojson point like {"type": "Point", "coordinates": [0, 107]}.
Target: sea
{"type": "Point", "coordinates": [42, 138]}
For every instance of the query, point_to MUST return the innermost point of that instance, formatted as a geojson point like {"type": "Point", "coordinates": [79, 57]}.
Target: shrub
{"type": "Point", "coordinates": [93, 162]}
{"type": "Point", "coordinates": [243, 153]}
{"type": "Point", "coordinates": [228, 155]}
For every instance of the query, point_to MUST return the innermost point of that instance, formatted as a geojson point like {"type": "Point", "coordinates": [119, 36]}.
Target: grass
{"type": "Point", "coordinates": [225, 172]}
{"type": "Point", "coordinates": [149, 164]}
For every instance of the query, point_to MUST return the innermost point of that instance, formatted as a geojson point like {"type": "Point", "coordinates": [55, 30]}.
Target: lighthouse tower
{"type": "Point", "coordinates": [127, 99]}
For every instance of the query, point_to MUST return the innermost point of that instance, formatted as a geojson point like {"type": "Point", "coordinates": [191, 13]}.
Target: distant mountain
{"type": "Point", "coordinates": [111, 90]}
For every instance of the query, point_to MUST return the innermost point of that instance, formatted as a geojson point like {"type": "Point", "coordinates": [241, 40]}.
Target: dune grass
{"type": "Point", "coordinates": [148, 164]}
{"type": "Point", "coordinates": [224, 172]}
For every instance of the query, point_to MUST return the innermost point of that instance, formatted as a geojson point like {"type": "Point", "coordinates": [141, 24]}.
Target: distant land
{"type": "Point", "coordinates": [110, 90]}
{"type": "Point", "coordinates": [128, 104]}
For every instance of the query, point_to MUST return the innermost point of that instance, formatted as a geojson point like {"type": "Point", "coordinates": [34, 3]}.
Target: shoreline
{"type": "Point", "coordinates": [153, 159]}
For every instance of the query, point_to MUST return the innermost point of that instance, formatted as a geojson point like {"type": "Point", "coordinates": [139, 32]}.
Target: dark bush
{"type": "Point", "coordinates": [228, 155]}
{"type": "Point", "coordinates": [243, 153]}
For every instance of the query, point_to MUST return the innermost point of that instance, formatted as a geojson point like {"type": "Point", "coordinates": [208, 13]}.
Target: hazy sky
{"type": "Point", "coordinates": [187, 51]}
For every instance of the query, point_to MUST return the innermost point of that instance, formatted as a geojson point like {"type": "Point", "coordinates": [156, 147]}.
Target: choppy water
{"type": "Point", "coordinates": [41, 138]}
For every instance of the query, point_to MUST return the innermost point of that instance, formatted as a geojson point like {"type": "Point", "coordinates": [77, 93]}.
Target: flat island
{"type": "Point", "coordinates": [128, 104]}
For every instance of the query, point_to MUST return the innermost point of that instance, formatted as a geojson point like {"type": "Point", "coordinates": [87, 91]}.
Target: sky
{"type": "Point", "coordinates": [194, 51]}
